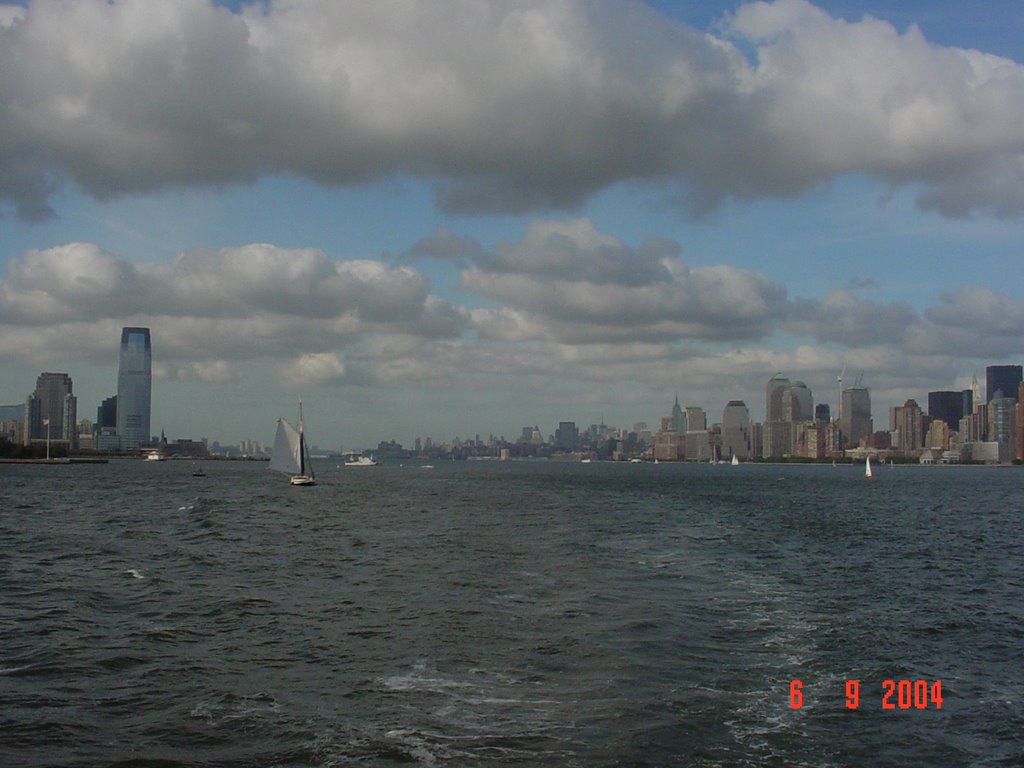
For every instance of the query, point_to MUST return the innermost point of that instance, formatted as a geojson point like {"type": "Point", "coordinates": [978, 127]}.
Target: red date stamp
{"type": "Point", "coordinates": [894, 694]}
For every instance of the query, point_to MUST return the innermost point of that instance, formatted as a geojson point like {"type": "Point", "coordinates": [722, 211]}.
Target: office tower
{"type": "Point", "coordinates": [52, 410]}
{"type": "Point", "coordinates": [798, 403]}
{"type": "Point", "coordinates": [773, 397]}
{"type": "Point", "coordinates": [1002, 425]}
{"type": "Point", "coordinates": [908, 424]}
{"type": "Point", "coordinates": [948, 406]}
{"type": "Point", "coordinates": [778, 430]}
{"type": "Point", "coordinates": [736, 430]}
{"type": "Point", "coordinates": [1002, 381]}
{"type": "Point", "coordinates": [106, 415]}
{"type": "Point", "coordinates": [695, 419]}
{"type": "Point", "coordinates": [855, 423]}
{"type": "Point", "coordinates": [678, 419]}
{"type": "Point", "coordinates": [567, 436]}
{"type": "Point", "coordinates": [822, 413]}
{"type": "Point", "coordinates": [134, 387]}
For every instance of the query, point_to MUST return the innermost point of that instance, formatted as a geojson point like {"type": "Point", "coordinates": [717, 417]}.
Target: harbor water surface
{"type": "Point", "coordinates": [507, 613]}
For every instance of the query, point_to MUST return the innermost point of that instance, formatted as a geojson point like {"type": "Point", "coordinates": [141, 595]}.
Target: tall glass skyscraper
{"type": "Point", "coordinates": [134, 388]}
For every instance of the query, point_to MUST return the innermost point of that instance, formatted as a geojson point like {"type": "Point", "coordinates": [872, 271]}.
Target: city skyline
{"type": "Point", "coordinates": [787, 404]}
{"type": "Point", "coordinates": [542, 212]}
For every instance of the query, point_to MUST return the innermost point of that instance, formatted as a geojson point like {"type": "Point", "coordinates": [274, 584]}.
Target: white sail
{"type": "Point", "coordinates": [287, 456]}
{"type": "Point", "coordinates": [735, 460]}
{"type": "Point", "coordinates": [867, 467]}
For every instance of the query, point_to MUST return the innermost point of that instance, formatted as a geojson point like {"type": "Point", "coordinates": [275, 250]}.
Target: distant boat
{"type": "Point", "coordinates": [360, 461]}
{"type": "Point", "coordinates": [867, 467]}
{"type": "Point", "coordinates": [291, 453]}
{"type": "Point", "coordinates": [155, 456]}
{"type": "Point", "coordinates": [735, 460]}
{"type": "Point", "coordinates": [197, 470]}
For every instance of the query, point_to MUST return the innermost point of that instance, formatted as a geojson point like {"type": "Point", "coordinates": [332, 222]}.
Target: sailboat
{"type": "Point", "coordinates": [867, 467]}
{"type": "Point", "coordinates": [735, 460]}
{"type": "Point", "coordinates": [291, 453]}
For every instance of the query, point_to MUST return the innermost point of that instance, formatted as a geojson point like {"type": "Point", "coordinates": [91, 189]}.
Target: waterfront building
{"type": "Point", "coordinates": [1002, 381]}
{"type": "Point", "coordinates": [134, 388]}
{"type": "Point", "coordinates": [736, 430]}
{"type": "Point", "coordinates": [51, 411]}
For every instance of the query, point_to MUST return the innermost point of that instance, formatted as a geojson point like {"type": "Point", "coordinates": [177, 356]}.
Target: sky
{"type": "Point", "coordinates": [453, 218]}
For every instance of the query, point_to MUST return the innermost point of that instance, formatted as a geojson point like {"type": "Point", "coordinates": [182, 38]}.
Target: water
{"type": "Point", "coordinates": [493, 614]}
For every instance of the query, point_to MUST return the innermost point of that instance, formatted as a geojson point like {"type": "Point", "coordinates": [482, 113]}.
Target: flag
{"type": "Point", "coordinates": [46, 422]}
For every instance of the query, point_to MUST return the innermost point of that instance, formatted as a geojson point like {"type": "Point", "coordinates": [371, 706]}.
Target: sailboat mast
{"type": "Point", "coordinates": [302, 446]}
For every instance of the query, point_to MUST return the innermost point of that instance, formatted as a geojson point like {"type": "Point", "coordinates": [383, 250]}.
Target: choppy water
{"type": "Point", "coordinates": [533, 614]}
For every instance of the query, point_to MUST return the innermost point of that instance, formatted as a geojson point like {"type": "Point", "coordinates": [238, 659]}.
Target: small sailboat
{"type": "Point", "coordinates": [291, 453]}
{"type": "Point", "coordinates": [867, 467]}
{"type": "Point", "coordinates": [735, 460]}
{"type": "Point", "coordinates": [197, 470]}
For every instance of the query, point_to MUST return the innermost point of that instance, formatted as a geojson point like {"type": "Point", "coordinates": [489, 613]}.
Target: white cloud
{"type": "Point", "coordinates": [318, 369]}
{"type": "Point", "coordinates": [209, 372]}
{"type": "Point", "coordinates": [505, 106]}
{"type": "Point", "coordinates": [569, 283]}
{"type": "Point", "coordinates": [566, 316]}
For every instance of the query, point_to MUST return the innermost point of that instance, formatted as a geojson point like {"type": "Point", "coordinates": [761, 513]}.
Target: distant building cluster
{"type": "Point", "coordinates": [958, 427]}
{"type": "Point", "coordinates": [123, 425]}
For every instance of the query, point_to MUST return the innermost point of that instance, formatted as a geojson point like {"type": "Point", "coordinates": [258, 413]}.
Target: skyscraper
{"type": "Point", "coordinates": [52, 410]}
{"type": "Point", "coordinates": [134, 388]}
{"type": "Point", "coordinates": [736, 430]}
{"type": "Point", "coordinates": [1002, 381]}
{"type": "Point", "coordinates": [948, 406]}
{"type": "Point", "coordinates": [908, 422]}
{"type": "Point", "coordinates": [856, 419]}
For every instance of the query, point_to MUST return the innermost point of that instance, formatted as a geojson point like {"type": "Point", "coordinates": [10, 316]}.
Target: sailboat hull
{"type": "Point", "coordinates": [302, 480]}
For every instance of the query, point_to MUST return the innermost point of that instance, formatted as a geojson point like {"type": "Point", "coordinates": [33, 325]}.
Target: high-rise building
{"type": "Point", "coordinates": [1002, 425]}
{"type": "Point", "coordinates": [1002, 381]}
{"type": "Point", "coordinates": [52, 410]}
{"type": "Point", "coordinates": [567, 436]}
{"type": "Point", "coordinates": [778, 431]}
{"type": "Point", "coordinates": [948, 406]}
{"type": "Point", "coordinates": [736, 430]}
{"type": "Point", "coordinates": [855, 423]}
{"type": "Point", "coordinates": [907, 423]}
{"type": "Point", "coordinates": [678, 418]}
{"type": "Point", "coordinates": [798, 403]}
{"type": "Point", "coordinates": [695, 418]}
{"type": "Point", "coordinates": [106, 415]}
{"type": "Point", "coordinates": [134, 388]}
